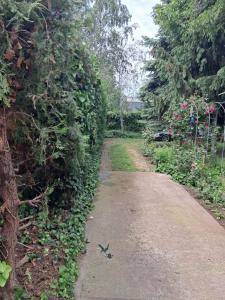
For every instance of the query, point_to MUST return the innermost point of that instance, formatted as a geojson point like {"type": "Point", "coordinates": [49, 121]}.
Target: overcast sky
{"type": "Point", "coordinates": [141, 11]}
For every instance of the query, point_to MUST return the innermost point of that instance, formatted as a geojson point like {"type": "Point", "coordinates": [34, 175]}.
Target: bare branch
{"type": "Point", "coordinates": [25, 226]}
{"type": "Point", "coordinates": [26, 219]}
{"type": "Point", "coordinates": [33, 202]}
{"type": "Point", "coordinates": [25, 115]}
{"type": "Point", "coordinates": [3, 207]}
{"type": "Point", "coordinates": [28, 247]}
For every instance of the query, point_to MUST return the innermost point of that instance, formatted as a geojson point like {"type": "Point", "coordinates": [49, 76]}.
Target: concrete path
{"type": "Point", "coordinates": [164, 245]}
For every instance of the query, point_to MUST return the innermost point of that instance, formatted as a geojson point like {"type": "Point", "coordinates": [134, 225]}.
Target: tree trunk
{"type": "Point", "coordinates": [9, 207]}
{"type": "Point", "coordinates": [121, 116]}
{"type": "Point", "coordinates": [121, 122]}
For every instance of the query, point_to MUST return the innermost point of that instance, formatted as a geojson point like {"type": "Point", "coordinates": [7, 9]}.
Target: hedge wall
{"type": "Point", "coordinates": [133, 121]}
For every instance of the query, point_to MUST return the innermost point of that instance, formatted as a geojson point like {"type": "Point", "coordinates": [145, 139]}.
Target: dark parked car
{"type": "Point", "coordinates": [163, 136]}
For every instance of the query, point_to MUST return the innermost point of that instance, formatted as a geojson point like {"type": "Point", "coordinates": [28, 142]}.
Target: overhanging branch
{"type": "Point", "coordinates": [33, 202]}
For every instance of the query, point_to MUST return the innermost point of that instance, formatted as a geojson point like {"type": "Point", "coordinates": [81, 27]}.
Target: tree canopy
{"type": "Point", "coordinates": [187, 55]}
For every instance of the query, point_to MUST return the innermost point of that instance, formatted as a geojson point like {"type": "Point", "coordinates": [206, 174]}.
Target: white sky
{"type": "Point", "coordinates": [141, 11]}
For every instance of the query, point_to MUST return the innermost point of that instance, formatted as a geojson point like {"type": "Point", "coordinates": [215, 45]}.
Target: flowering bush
{"type": "Point", "coordinates": [188, 168]}
{"type": "Point", "coordinates": [184, 105]}
{"type": "Point", "coordinates": [210, 110]}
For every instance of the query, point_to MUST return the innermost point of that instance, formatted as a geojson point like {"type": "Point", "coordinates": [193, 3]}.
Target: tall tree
{"type": "Point", "coordinates": [188, 54]}
{"type": "Point", "coordinates": [107, 31]}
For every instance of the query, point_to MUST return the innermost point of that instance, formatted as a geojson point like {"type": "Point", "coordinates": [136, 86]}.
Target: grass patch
{"type": "Point", "coordinates": [121, 160]}
{"type": "Point", "coordinates": [137, 142]}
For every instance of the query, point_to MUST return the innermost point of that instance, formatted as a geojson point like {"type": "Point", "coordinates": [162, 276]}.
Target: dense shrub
{"type": "Point", "coordinates": [58, 114]}
{"type": "Point", "coordinates": [188, 167]}
{"type": "Point", "coordinates": [164, 154]}
{"type": "Point", "coordinates": [53, 108]}
{"type": "Point", "coordinates": [133, 121]}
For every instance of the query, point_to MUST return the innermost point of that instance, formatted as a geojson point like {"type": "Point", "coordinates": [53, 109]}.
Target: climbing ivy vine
{"type": "Point", "coordinates": [52, 116]}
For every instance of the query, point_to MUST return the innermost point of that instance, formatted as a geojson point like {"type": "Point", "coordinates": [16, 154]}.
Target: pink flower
{"type": "Point", "coordinates": [210, 110]}
{"type": "Point", "coordinates": [184, 105]}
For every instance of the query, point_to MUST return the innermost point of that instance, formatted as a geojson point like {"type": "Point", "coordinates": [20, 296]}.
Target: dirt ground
{"type": "Point", "coordinates": [149, 239]}
{"type": "Point", "coordinates": [140, 163]}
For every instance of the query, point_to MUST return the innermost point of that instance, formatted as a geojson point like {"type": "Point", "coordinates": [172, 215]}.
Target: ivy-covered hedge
{"type": "Point", "coordinates": [133, 121]}
{"type": "Point", "coordinates": [58, 107]}
{"type": "Point", "coordinates": [56, 114]}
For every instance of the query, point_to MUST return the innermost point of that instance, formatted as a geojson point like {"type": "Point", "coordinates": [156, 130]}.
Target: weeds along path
{"type": "Point", "coordinates": [149, 239]}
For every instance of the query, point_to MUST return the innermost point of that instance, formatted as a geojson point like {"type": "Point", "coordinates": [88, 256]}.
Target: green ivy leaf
{"type": "Point", "coordinates": [5, 270]}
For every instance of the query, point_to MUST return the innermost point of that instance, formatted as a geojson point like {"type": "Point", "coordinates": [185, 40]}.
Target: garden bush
{"type": "Point", "coordinates": [133, 121]}
{"type": "Point", "coordinates": [188, 168]}
{"type": "Point", "coordinates": [163, 155]}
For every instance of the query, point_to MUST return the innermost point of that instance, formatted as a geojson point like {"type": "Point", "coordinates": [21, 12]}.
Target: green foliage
{"type": "Point", "coordinates": [4, 87]}
{"type": "Point", "coordinates": [133, 121]}
{"type": "Point", "coordinates": [68, 234]}
{"type": "Point", "coordinates": [5, 270]}
{"type": "Point", "coordinates": [106, 31]}
{"type": "Point", "coordinates": [44, 296]}
{"type": "Point", "coordinates": [189, 168]}
{"type": "Point", "coordinates": [163, 155]}
{"type": "Point", "coordinates": [20, 294]}
{"type": "Point", "coordinates": [186, 78]}
{"type": "Point", "coordinates": [50, 79]}
{"type": "Point", "coordinates": [59, 106]}
{"type": "Point", "coordinates": [120, 134]}
{"type": "Point", "coordinates": [121, 160]}
{"type": "Point", "coordinates": [188, 56]}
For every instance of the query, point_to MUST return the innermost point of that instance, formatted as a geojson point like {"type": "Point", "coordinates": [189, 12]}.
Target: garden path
{"type": "Point", "coordinates": [162, 243]}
